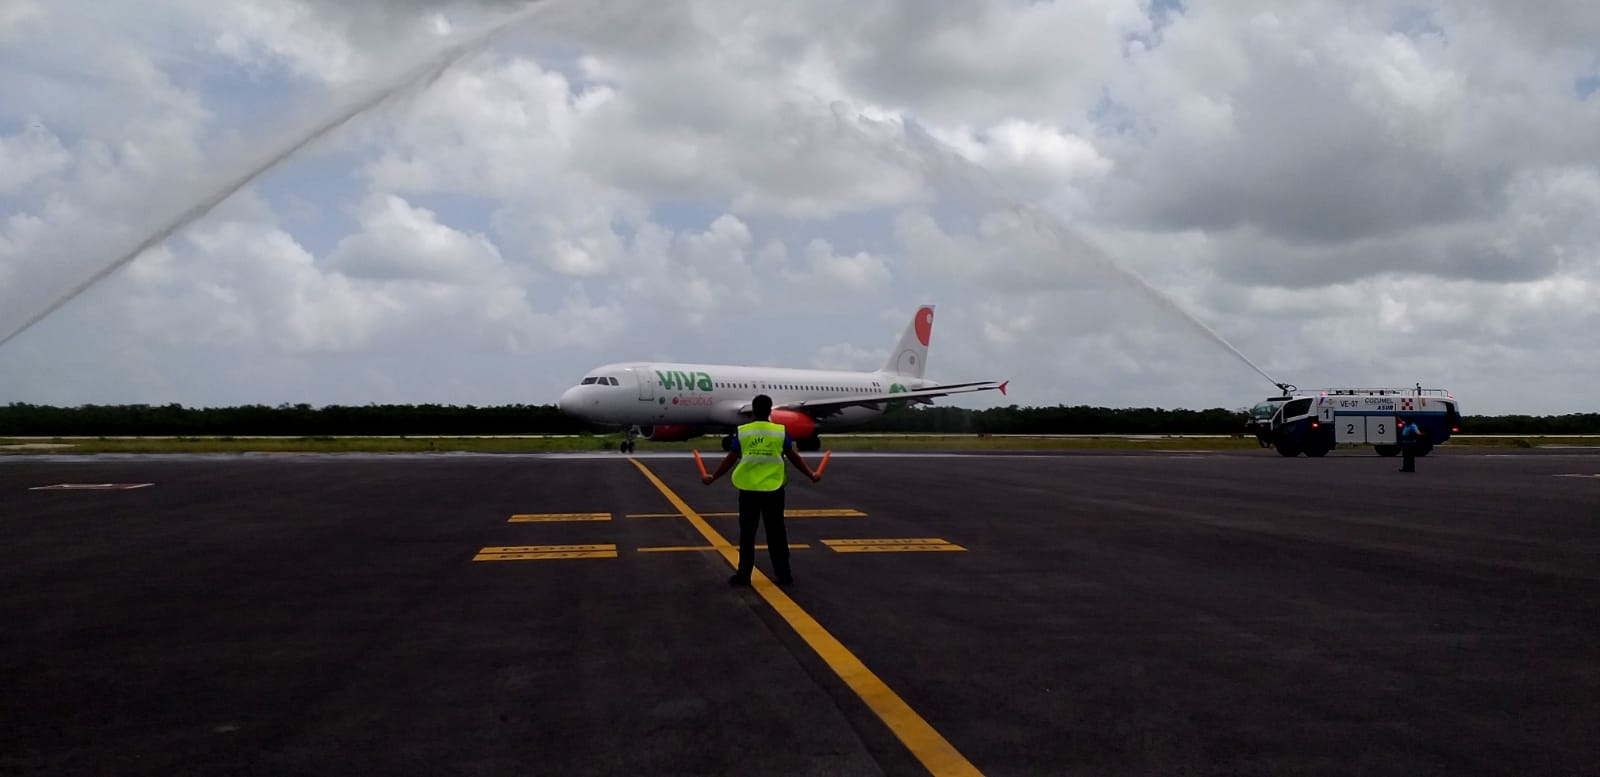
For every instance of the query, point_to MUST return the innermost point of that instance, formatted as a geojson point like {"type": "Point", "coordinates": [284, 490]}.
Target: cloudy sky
{"type": "Point", "coordinates": [1380, 193]}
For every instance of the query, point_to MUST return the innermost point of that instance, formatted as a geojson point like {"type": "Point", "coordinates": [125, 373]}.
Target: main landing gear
{"type": "Point", "coordinates": [627, 440]}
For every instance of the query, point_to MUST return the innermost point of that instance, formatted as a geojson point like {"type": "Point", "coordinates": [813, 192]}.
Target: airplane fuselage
{"type": "Point", "coordinates": [669, 401]}
{"type": "Point", "coordinates": [657, 393]}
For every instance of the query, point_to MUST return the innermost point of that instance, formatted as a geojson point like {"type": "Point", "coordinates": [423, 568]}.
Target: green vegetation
{"type": "Point", "coordinates": [423, 428]}
{"type": "Point", "coordinates": [581, 443]}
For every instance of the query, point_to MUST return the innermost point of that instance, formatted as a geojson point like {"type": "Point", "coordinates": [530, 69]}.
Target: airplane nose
{"type": "Point", "coordinates": [569, 400]}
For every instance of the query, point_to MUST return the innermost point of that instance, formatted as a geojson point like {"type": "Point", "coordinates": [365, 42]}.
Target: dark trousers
{"type": "Point", "coordinates": [755, 508]}
{"type": "Point", "coordinates": [1408, 453]}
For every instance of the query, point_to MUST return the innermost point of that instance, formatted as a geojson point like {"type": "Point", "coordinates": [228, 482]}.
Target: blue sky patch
{"type": "Point", "coordinates": [1416, 21]}
{"type": "Point", "coordinates": [461, 212]}
{"type": "Point", "coordinates": [315, 197]}
{"type": "Point", "coordinates": [684, 214]}
{"type": "Point", "coordinates": [1163, 13]}
{"type": "Point", "coordinates": [1586, 86]}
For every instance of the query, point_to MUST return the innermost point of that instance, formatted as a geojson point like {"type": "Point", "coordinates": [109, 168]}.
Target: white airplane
{"type": "Point", "coordinates": [666, 402]}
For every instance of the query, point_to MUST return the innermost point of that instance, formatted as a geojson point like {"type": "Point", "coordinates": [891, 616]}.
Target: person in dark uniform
{"type": "Point", "coordinates": [1410, 437]}
{"type": "Point", "coordinates": [759, 448]}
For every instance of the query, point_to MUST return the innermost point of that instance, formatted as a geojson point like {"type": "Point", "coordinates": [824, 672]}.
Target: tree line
{"type": "Point", "coordinates": [28, 420]}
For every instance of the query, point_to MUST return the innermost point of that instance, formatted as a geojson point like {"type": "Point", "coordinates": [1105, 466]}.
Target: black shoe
{"type": "Point", "coordinates": [786, 580]}
{"type": "Point", "coordinates": [738, 579]}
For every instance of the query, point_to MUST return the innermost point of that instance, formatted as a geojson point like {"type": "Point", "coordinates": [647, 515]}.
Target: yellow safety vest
{"type": "Point", "coordinates": [760, 466]}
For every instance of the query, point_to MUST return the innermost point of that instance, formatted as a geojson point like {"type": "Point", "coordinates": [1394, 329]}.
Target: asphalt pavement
{"type": "Point", "coordinates": [1062, 614]}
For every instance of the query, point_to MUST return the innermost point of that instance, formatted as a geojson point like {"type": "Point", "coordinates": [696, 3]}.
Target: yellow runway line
{"type": "Point", "coordinates": [545, 552]}
{"type": "Point", "coordinates": [891, 545]}
{"type": "Point", "coordinates": [787, 514]}
{"type": "Point", "coordinates": [676, 548]}
{"type": "Point", "coordinates": [927, 745]}
{"type": "Point", "coordinates": [555, 517]}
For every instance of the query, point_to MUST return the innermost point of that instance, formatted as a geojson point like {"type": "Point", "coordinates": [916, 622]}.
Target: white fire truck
{"type": "Point", "coordinates": [1315, 422]}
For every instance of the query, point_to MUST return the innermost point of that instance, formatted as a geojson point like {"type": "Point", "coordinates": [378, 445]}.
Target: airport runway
{"type": "Point", "coordinates": [1129, 614]}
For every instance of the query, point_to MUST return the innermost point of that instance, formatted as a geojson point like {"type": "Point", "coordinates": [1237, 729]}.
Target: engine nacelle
{"type": "Point", "coordinates": [798, 425]}
{"type": "Point", "coordinates": [669, 433]}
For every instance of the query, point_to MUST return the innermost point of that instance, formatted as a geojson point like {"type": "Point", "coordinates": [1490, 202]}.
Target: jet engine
{"type": "Point", "coordinates": [798, 425]}
{"type": "Point", "coordinates": [669, 433]}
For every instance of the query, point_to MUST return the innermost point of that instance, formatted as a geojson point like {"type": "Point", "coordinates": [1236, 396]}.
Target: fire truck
{"type": "Point", "coordinates": [1318, 421]}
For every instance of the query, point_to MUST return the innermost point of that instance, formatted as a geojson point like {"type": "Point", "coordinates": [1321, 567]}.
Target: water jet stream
{"type": "Point", "coordinates": [930, 156]}
{"type": "Point", "coordinates": [417, 78]}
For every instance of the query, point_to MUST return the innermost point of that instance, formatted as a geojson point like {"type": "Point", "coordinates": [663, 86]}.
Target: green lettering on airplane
{"type": "Point", "coordinates": [896, 404]}
{"type": "Point", "coordinates": [685, 381]}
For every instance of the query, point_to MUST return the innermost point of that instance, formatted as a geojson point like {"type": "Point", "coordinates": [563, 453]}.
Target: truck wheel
{"type": "Point", "coordinates": [1317, 451]}
{"type": "Point", "coordinates": [1288, 449]}
{"type": "Point", "coordinates": [1387, 450]}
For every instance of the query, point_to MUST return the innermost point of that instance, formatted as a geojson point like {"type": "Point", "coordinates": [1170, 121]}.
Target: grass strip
{"type": "Point", "coordinates": [582, 443]}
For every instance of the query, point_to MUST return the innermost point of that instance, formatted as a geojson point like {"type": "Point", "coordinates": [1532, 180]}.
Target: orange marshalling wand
{"type": "Point", "coordinates": [700, 463]}
{"type": "Point", "coordinates": [824, 462]}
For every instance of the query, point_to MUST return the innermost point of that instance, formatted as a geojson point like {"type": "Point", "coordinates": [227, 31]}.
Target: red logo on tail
{"type": "Point", "coordinates": [924, 324]}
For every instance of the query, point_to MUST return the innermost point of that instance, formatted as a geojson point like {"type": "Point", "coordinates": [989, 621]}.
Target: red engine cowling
{"type": "Point", "coordinates": [669, 433]}
{"type": "Point", "coordinates": [798, 425]}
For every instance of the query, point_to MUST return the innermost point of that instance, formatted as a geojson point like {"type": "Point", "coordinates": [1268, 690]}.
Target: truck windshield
{"type": "Point", "coordinates": [1264, 410]}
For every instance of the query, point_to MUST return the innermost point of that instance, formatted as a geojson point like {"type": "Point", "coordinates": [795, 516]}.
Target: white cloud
{"type": "Point", "coordinates": [29, 155]}
{"type": "Point", "coordinates": [15, 15]}
{"type": "Point", "coordinates": [844, 356]}
{"type": "Point", "coordinates": [402, 242]}
{"type": "Point", "coordinates": [289, 33]}
{"type": "Point", "coordinates": [858, 273]}
{"type": "Point", "coordinates": [1389, 191]}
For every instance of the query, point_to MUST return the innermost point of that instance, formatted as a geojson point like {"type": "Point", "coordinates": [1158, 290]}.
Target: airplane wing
{"type": "Point", "coordinates": [821, 408]}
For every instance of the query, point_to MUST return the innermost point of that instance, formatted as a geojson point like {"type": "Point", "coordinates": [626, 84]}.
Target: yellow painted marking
{"type": "Point", "coordinates": [539, 552]}
{"type": "Point", "coordinates": [545, 548]}
{"type": "Point", "coordinates": [892, 545]}
{"type": "Point", "coordinates": [673, 548]}
{"type": "Point", "coordinates": [933, 750]}
{"type": "Point", "coordinates": [827, 513]}
{"type": "Point", "coordinates": [887, 541]}
{"type": "Point", "coordinates": [545, 555]}
{"type": "Point", "coordinates": [542, 517]}
{"type": "Point", "coordinates": [894, 548]}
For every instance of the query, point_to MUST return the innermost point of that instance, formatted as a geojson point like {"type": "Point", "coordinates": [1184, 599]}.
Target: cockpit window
{"type": "Point", "coordinates": [588, 381]}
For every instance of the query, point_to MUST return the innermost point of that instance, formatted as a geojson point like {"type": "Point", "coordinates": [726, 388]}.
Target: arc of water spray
{"type": "Point", "coordinates": [931, 155]}
{"type": "Point", "coordinates": [419, 77]}
{"type": "Point", "coordinates": [1042, 219]}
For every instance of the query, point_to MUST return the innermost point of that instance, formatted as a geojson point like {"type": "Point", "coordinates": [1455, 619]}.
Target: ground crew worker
{"type": "Point", "coordinates": [760, 447]}
{"type": "Point", "coordinates": [1410, 438]}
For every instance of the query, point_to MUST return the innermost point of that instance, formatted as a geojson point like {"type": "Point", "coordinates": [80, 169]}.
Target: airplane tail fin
{"type": "Point", "coordinates": [910, 355]}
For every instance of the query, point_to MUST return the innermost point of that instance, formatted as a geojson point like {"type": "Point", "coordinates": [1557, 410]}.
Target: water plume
{"type": "Point", "coordinates": [906, 146]}
{"type": "Point", "coordinates": [411, 80]}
